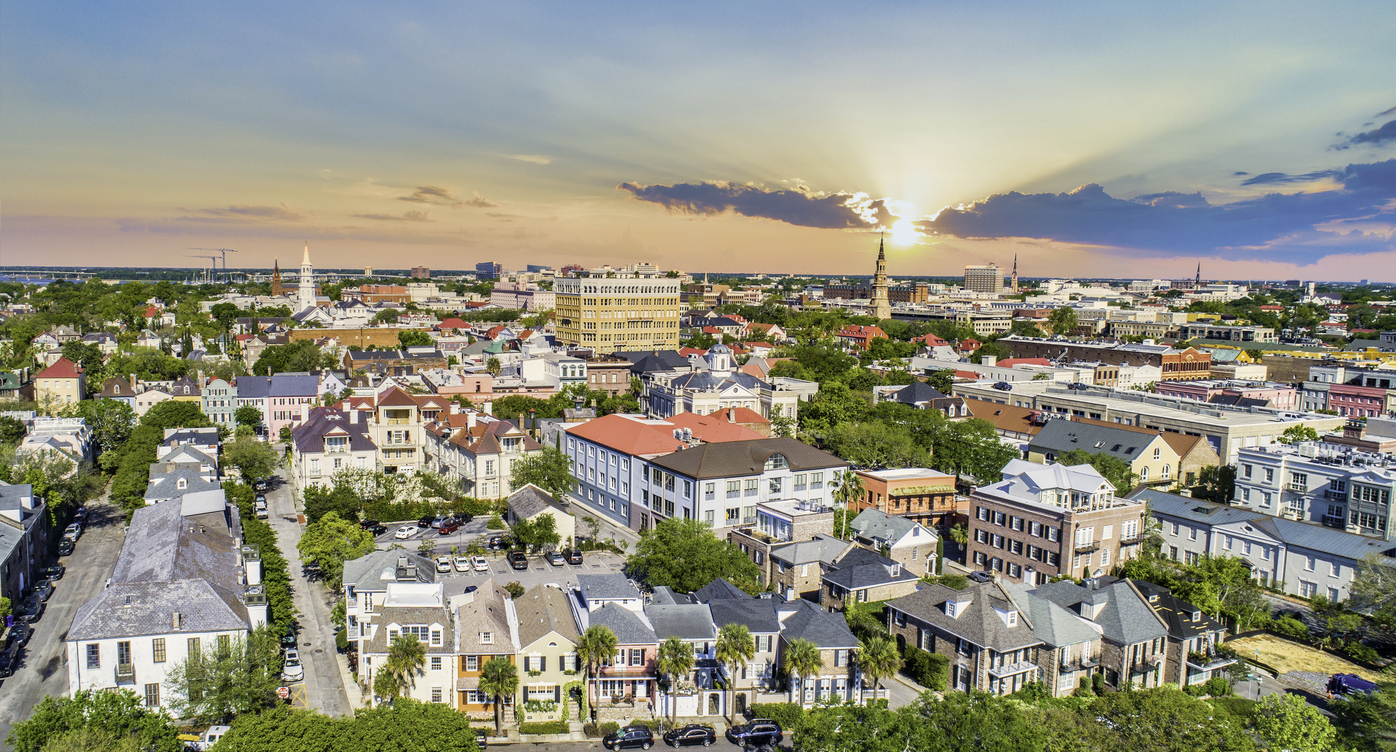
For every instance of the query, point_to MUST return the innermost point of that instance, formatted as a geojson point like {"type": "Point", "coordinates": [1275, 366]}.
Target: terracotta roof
{"type": "Point", "coordinates": [861, 332]}
{"type": "Point", "coordinates": [740, 458]}
{"type": "Point", "coordinates": [1004, 417]}
{"type": "Point", "coordinates": [396, 396]}
{"type": "Point", "coordinates": [1010, 362]}
{"type": "Point", "coordinates": [63, 369]}
{"type": "Point", "coordinates": [715, 427]}
{"type": "Point", "coordinates": [453, 323]}
{"type": "Point", "coordinates": [629, 436]}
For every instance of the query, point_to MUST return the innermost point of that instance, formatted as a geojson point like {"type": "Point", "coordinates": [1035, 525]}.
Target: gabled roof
{"type": "Point", "coordinates": [686, 621]}
{"type": "Point", "coordinates": [860, 568]}
{"type": "Point", "coordinates": [541, 610]}
{"type": "Point", "coordinates": [166, 485]}
{"type": "Point", "coordinates": [1061, 436]}
{"type": "Point", "coordinates": [1184, 620]}
{"type": "Point", "coordinates": [613, 586]}
{"type": "Point", "coordinates": [980, 622]}
{"type": "Point", "coordinates": [629, 435]}
{"type": "Point", "coordinates": [757, 614]}
{"type": "Point", "coordinates": [875, 524]}
{"type": "Point", "coordinates": [824, 549]}
{"type": "Point", "coordinates": [739, 458]}
{"type": "Point", "coordinates": [1125, 618]}
{"type": "Point", "coordinates": [487, 610]}
{"type": "Point", "coordinates": [1006, 417]}
{"type": "Point", "coordinates": [720, 589]}
{"type": "Point", "coordinates": [61, 369]}
{"type": "Point", "coordinates": [916, 393]}
{"type": "Point", "coordinates": [804, 620]}
{"type": "Point", "coordinates": [628, 627]}
{"type": "Point", "coordinates": [530, 500]}
{"type": "Point", "coordinates": [1051, 623]}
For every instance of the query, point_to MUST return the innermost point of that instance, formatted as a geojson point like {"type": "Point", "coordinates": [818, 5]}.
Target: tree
{"type": "Point", "coordinates": [674, 660]}
{"type": "Point", "coordinates": [1062, 321]}
{"type": "Point", "coordinates": [972, 448]}
{"type": "Point", "coordinates": [943, 380]}
{"type": "Point", "coordinates": [331, 542]}
{"type": "Point", "coordinates": [735, 647]}
{"type": "Point", "coordinates": [414, 338]}
{"type": "Point", "coordinates": [595, 646]}
{"type": "Point", "coordinates": [959, 533]}
{"type": "Point", "coordinates": [685, 555]}
{"type": "Point", "coordinates": [499, 677]}
{"type": "Point", "coordinates": [339, 499]}
{"type": "Point", "coordinates": [802, 659]}
{"type": "Point", "coordinates": [537, 532]}
{"type": "Point", "coordinates": [1297, 434]}
{"type": "Point", "coordinates": [1216, 483]}
{"type": "Point", "coordinates": [119, 713]}
{"type": "Point", "coordinates": [1373, 590]}
{"type": "Point", "coordinates": [11, 430]}
{"type": "Point", "coordinates": [404, 726]}
{"type": "Point", "coordinates": [492, 365]}
{"type": "Point", "coordinates": [1115, 470]}
{"type": "Point", "coordinates": [175, 414]}
{"type": "Point", "coordinates": [229, 677]}
{"type": "Point", "coordinates": [301, 355]}
{"type": "Point", "coordinates": [875, 445]}
{"type": "Point", "coordinates": [253, 458]}
{"type": "Point", "coordinates": [1167, 719]}
{"type": "Point", "coordinates": [248, 415]}
{"type": "Point", "coordinates": [111, 422]}
{"type": "Point", "coordinates": [1287, 722]}
{"type": "Point", "coordinates": [848, 487]}
{"type": "Point", "coordinates": [879, 659]}
{"type": "Point", "coordinates": [549, 469]}
{"type": "Point", "coordinates": [407, 660]}
{"type": "Point", "coordinates": [92, 740]}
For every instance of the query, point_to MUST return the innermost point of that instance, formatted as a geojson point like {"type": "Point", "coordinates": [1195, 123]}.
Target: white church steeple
{"type": "Point", "coordinates": [305, 292]}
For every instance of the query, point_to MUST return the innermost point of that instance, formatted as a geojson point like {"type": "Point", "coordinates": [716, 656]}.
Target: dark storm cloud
{"type": "Point", "coordinates": [792, 206]}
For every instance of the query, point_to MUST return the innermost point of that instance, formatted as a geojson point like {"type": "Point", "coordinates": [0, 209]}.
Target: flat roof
{"type": "Point", "coordinates": [905, 473]}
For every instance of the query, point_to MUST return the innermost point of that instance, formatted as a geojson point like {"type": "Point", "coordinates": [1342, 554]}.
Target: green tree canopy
{"type": "Point", "coordinates": [248, 415]}
{"type": "Point", "coordinates": [227, 679]}
{"type": "Point", "coordinates": [332, 541]}
{"type": "Point", "coordinates": [175, 414]}
{"type": "Point", "coordinates": [405, 726]}
{"type": "Point", "coordinates": [414, 338]}
{"type": "Point", "coordinates": [119, 713]}
{"type": "Point", "coordinates": [875, 444]}
{"type": "Point", "coordinates": [685, 555]}
{"type": "Point", "coordinates": [255, 459]}
{"type": "Point", "coordinates": [549, 469]}
{"type": "Point", "coordinates": [1062, 321]}
{"type": "Point", "coordinates": [301, 355]}
{"type": "Point", "coordinates": [1296, 434]}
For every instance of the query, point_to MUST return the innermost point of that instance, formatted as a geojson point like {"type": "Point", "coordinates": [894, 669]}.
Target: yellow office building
{"type": "Point", "coordinates": [618, 313]}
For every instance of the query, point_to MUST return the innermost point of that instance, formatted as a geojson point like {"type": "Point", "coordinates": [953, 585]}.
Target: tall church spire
{"type": "Point", "coordinates": [305, 291]}
{"type": "Point", "coordinates": [881, 304]}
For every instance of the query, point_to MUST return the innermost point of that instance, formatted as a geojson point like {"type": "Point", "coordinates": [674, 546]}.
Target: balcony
{"type": "Point", "coordinates": [1078, 665]}
{"type": "Point", "coordinates": [1088, 547]}
{"type": "Point", "coordinates": [1329, 493]}
{"type": "Point", "coordinates": [1132, 540]}
{"type": "Point", "coordinates": [125, 673]}
{"type": "Point", "coordinates": [1298, 487]}
{"type": "Point", "coordinates": [1012, 669]}
{"type": "Point", "coordinates": [1208, 660]}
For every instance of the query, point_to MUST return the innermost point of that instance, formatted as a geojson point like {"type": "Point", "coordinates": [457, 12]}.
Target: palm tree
{"type": "Point", "coordinates": [499, 677]}
{"type": "Point", "coordinates": [492, 365]}
{"type": "Point", "coordinates": [802, 659]}
{"type": "Point", "coordinates": [879, 659]}
{"type": "Point", "coordinates": [734, 647]}
{"type": "Point", "coordinates": [850, 487]}
{"type": "Point", "coordinates": [407, 659]}
{"type": "Point", "coordinates": [594, 646]}
{"type": "Point", "coordinates": [675, 660]}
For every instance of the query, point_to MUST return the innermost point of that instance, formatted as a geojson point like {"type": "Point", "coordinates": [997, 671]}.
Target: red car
{"type": "Point", "coordinates": [449, 527]}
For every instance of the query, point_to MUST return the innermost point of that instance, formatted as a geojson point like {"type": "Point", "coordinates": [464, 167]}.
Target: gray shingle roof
{"type": "Point", "coordinates": [720, 589]}
{"type": "Point", "coordinates": [1061, 436]}
{"type": "Point", "coordinates": [758, 614]}
{"type": "Point", "coordinates": [367, 572]}
{"type": "Point", "coordinates": [739, 458]}
{"type": "Point", "coordinates": [1178, 613]}
{"type": "Point", "coordinates": [980, 622]}
{"type": "Point", "coordinates": [607, 587]}
{"type": "Point", "coordinates": [202, 608]}
{"type": "Point", "coordinates": [627, 625]}
{"type": "Point", "coordinates": [860, 568]}
{"type": "Point", "coordinates": [874, 523]}
{"type": "Point", "coordinates": [1126, 617]}
{"type": "Point", "coordinates": [166, 485]}
{"type": "Point", "coordinates": [530, 500]}
{"type": "Point", "coordinates": [542, 610]}
{"type": "Point", "coordinates": [807, 621]}
{"type": "Point", "coordinates": [919, 391]}
{"type": "Point", "coordinates": [322, 422]}
{"type": "Point", "coordinates": [686, 621]}
{"type": "Point", "coordinates": [1051, 623]}
{"type": "Point", "coordinates": [163, 546]}
{"type": "Point", "coordinates": [821, 548]}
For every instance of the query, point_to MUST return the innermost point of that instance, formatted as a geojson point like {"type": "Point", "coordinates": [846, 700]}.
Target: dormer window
{"type": "Point", "coordinates": [487, 638]}
{"type": "Point", "coordinates": [1197, 616]}
{"type": "Point", "coordinates": [181, 483]}
{"type": "Point", "coordinates": [1011, 619]}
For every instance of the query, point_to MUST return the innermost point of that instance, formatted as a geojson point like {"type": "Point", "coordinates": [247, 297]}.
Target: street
{"type": "Point", "coordinates": [324, 689]}
{"type": "Point", "coordinates": [43, 668]}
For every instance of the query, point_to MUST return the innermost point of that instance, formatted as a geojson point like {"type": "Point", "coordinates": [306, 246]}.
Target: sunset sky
{"type": "Point", "coordinates": [1091, 139]}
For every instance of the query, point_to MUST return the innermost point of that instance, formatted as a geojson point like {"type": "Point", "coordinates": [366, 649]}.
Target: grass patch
{"type": "Point", "coordinates": [1286, 656]}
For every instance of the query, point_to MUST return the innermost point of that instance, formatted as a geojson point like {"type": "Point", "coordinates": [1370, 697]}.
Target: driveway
{"type": "Point", "coordinates": [324, 684]}
{"type": "Point", "coordinates": [43, 668]}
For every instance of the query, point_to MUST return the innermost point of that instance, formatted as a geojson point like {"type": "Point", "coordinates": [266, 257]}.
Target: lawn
{"type": "Point", "coordinates": [1286, 656]}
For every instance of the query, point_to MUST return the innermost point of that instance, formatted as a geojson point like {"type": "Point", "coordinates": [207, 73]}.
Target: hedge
{"type": "Point", "coordinates": [276, 575]}
{"type": "Point", "coordinates": [548, 727]}
{"type": "Point", "coordinates": [1291, 628]}
{"type": "Point", "coordinates": [930, 670]}
{"type": "Point", "coordinates": [787, 714]}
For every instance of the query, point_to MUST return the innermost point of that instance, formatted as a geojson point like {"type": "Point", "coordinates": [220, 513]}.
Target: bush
{"type": "Point", "coordinates": [609, 727]}
{"type": "Point", "coordinates": [787, 714]}
{"type": "Point", "coordinates": [1361, 653]}
{"type": "Point", "coordinates": [1098, 684]}
{"type": "Point", "coordinates": [1196, 690]}
{"type": "Point", "coordinates": [1218, 686]}
{"type": "Point", "coordinates": [1032, 692]}
{"type": "Point", "coordinates": [1083, 688]}
{"type": "Point", "coordinates": [495, 523]}
{"type": "Point", "coordinates": [515, 589]}
{"type": "Point", "coordinates": [930, 670]}
{"type": "Point", "coordinates": [1290, 628]}
{"type": "Point", "coordinates": [550, 727]}
{"type": "Point", "coordinates": [591, 730]}
{"type": "Point", "coordinates": [341, 639]}
{"type": "Point", "coordinates": [1237, 707]}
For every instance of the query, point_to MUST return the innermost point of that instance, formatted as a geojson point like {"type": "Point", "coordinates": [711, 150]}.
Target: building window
{"type": "Point", "coordinates": [472, 663]}
{"type": "Point", "coordinates": [152, 695]}
{"type": "Point", "coordinates": [157, 649]}
{"type": "Point", "coordinates": [94, 656]}
{"type": "Point", "coordinates": [436, 694]}
{"type": "Point", "coordinates": [436, 663]}
{"type": "Point", "coordinates": [193, 646]}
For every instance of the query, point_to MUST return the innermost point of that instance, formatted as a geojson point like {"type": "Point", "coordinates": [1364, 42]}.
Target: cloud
{"type": "Point", "coordinates": [1376, 137]}
{"type": "Point", "coordinates": [411, 216]}
{"type": "Point", "coordinates": [1274, 178]}
{"type": "Point", "coordinates": [798, 206]}
{"type": "Point", "coordinates": [1277, 226]}
{"type": "Point", "coordinates": [1384, 113]}
{"type": "Point", "coordinates": [431, 194]}
{"type": "Point", "coordinates": [538, 159]}
{"type": "Point", "coordinates": [238, 211]}
{"type": "Point", "coordinates": [480, 201]}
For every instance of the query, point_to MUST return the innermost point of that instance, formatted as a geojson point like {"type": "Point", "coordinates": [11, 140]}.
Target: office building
{"type": "Point", "coordinates": [614, 313]}
{"type": "Point", "coordinates": [488, 270]}
{"type": "Point", "coordinates": [421, 272]}
{"type": "Point", "coordinates": [984, 279]}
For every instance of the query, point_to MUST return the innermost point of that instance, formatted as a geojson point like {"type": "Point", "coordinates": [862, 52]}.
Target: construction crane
{"type": "Point", "coordinates": [212, 259]}
{"type": "Point", "coordinates": [223, 252]}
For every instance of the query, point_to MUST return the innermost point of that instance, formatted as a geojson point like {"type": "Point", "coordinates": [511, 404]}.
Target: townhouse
{"type": "Point", "coordinates": [412, 609]}
{"type": "Point", "coordinates": [863, 576]}
{"type": "Point", "coordinates": [69, 438]}
{"type": "Point", "coordinates": [220, 403]}
{"type": "Point", "coordinates": [1152, 460]}
{"type": "Point", "coordinates": [919, 494]}
{"type": "Point", "coordinates": [487, 627]}
{"type": "Point", "coordinates": [177, 482]}
{"type": "Point", "coordinates": [62, 383]}
{"type": "Point", "coordinates": [1193, 638]}
{"type": "Point", "coordinates": [1327, 484]}
{"type": "Point", "coordinates": [203, 439]}
{"type": "Point", "coordinates": [838, 678]}
{"type": "Point", "coordinates": [900, 539]}
{"type": "Point", "coordinates": [1135, 637]}
{"type": "Point", "coordinates": [697, 693]}
{"type": "Point", "coordinates": [923, 396]}
{"type": "Point", "coordinates": [24, 533]}
{"type": "Point", "coordinates": [548, 636]}
{"type": "Point", "coordinates": [330, 440]}
{"type": "Point", "coordinates": [366, 579]}
{"type": "Point", "coordinates": [797, 568]}
{"type": "Point", "coordinates": [1071, 647]}
{"type": "Point", "coordinates": [477, 457]}
{"type": "Point", "coordinates": [761, 673]}
{"type": "Point", "coordinates": [625, 682]}
{"type": "Point", "coordinates": [1040, 522]}
{"type": "Point", "coordinates": [1302, 558]}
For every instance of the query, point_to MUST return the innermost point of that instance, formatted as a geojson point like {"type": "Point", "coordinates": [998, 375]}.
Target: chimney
{"type": "Point", "coordinates": [489, 407]}
{"type": "Point", "coordinates": [453, 408]}
{"type": "Point", "coordinates": [731, 415]}
{"type": "Point", "coordinates": [470, 420]}
{"type": "Point", "coordinates": [176, 620]}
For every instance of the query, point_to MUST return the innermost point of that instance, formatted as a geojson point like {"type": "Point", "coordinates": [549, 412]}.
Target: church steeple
{"type": "Point", "coordinates": [277, 288]}
{"type": "Point", "coordinates": [1015, 273]}
{"type": "Point", "coordinates": [881, 304]}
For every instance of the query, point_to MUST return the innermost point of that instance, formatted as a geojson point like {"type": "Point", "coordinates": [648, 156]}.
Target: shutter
{"type": "Point", "coordinates": [542, 663]}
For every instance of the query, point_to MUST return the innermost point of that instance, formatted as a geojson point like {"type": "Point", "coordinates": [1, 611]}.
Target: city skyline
{"type": "Point", "coordinates": [1099, 142]}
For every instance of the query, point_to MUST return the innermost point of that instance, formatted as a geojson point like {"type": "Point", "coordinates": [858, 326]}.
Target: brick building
{"type": "Point", "coordinates": [1177, 365]}
{"type": "Point", "coordinates": [923, 495]}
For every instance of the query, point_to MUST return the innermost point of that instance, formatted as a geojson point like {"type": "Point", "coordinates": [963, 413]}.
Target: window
{"type": "Point", "coordinates": [436, 638]}
{"type": "Point", "coordinates": [1269, 475]}
{"type": "Point", "coordinates": [1051, 534]}
{"type": "Point", "coordinates": [436, 694]}
{"type": "Point", "coordinates": [734, 489]}
{"type": "Point", "coordinates": [983, 514]}
{"type": "Point", "coordinates": [637, 656]}
{"type": "Point", "coordinates": [1157, 453]}
{"type": "Point", "coordinates": [1309, 563]}
{"type": "Point", "coordinates": [436, 663]}
{"type": "Point", "coordinates": [1335, 569]}
{"type": "Point", "coordinates": [487, 638]}
{"type": "Point", "coordinates": [752, 486]}
{"type": "Point", "coordinates": [94, 656]}
{"type": "Point", "coordinates": [194, 646]}
{"type": "Point", "coordinates": [1307, 589]}
{"type": "Point", "coordinates": [734, 515]}
{"type": "Point", "coordinates": [152, 695]}
{"type": "Point", "coordinates": [157, 649]}
{"type": "Point", "coordinates": [1246, 470]}
{"type": "Point", "coordinates": [1105, 557]}
{"type": "Point", "coordinates": [1035, 529]}
{"type": "Point", "coordinates": [472, 663]}
{"type": "Point", "coordinates": [709, 491]}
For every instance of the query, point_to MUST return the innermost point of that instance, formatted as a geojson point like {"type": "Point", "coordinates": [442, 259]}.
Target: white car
{"type": "Point", "coordinates": [291, 668]}
{"type": "Point", "coordinates": [462, 563]}
{"type": "Point", "coordinates": [443, 563]}
{"type": "Point", "coordinates": [405, 532]}
{"type": "Point", "coordinates": [481, 564]}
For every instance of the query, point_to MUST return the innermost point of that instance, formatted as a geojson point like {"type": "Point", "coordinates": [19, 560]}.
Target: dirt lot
{"type": "Point", "coordinates": [1287, 656]}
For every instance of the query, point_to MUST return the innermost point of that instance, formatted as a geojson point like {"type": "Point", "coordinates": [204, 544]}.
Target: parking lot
{"type": "Point", "coordinates": [539, 570]}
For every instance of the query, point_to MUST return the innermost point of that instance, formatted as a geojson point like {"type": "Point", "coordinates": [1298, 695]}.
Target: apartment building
{"type": "Point", "coordinates": [1325, 484]}
{"type": "Point", "coordinates": [477, 457]}
{"type": "Point", "coordinates": [610, 313]}
{"type": "Point", "coordinates": [412, 609]}
{"type": "Point", "coordinates": [62, 383]}
{"type": "Point", "coordinates": [1227, 428]}
{"type": "Point", "coordinates": [1152, 460]}
{"type": "Point", "coordinates": [987, 278]}
{"type": "Point", "coordinates": [220, 403]}
{"type": "Point", "coordinates": [1175, 364]}
{"type": "Point", "coordinates": [1041, 522]}
{"type": "Point", "coordinates": [1303, 558]}
{"type": "Point", "coordinates": [722, 387]}
{"type": "Point", "coordinates": [328, 441]}
{"type": "Point", "coordinates": [1229, 332]}
{"type": "Point", "coordinates": [919, 494]}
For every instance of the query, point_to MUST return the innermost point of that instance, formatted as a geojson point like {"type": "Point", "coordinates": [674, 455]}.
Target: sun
{"type": "Point", "coordinates": [904, 232]}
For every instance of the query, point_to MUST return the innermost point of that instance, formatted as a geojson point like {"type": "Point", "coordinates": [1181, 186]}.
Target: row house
{"type": "Point", "coordinates": [730, 605]}
{"type": "Point", "coordinates": [1134, 637]}
{"type": "Point", "coordinates": [330, 440]}
{"type": "Point", "coordinates": [626, 681]}
{"type": "Point", "coordinates": [220, 403]}
{"type": "Point", "coordinates": [838, 678]}
{"type": "Point", "coordinates": [417, 610]}
{"type": "Point", "coordinates": [1043, 521]}
{"type": "Point", "coordinates": [780, 524]}
{"type": "Point", "coordinates": [1325, 484]}
{"type": "Point", "coordinates": [476, 452]}
{"type": "Point", "coordinates": [1193, 637]}
{"type": "Point", "coordinates": [203, 439]}
{"type": "Point", "coordinates": [676, 615]}
{"type": "Point", "coordinates": [864, 576]}
{"type": "Point", "coordinates": [901, 539]}
{"type": "Point", "coordinates": [1303, 558]}
{"type": "Point", "coordinates": [487, 628]}
{"type": "Point", "coordinates": [919, 494]}
{"type": "Point", "coordinates": [24, 533]}
{"type": "Point", "coordinates": [548, 635]}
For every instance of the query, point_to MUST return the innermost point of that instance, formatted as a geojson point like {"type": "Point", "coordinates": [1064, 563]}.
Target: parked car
{"type": "Point", "coordinates": [480, 563]}
{"type": "Point", "coordinates": [450, 526]}
{"type": "Point", "coordinates": [463, 564]}
{"type": "Point", "coordinates": [630, 737]}
{"type": "Point", "coordinates": [65, 547]}
{"type": "Point", "coordinates": [288, 640]}
{"type": "Point", "coordinates": [43, 590]}
{"type": "Point", "coordinates": [261, 499]}
{"type": "Point", "coordinates": [261, 512]}
{"type": "Point", "coordinates": [691, 735]}
{"type": "Point", "coordinates": [759, 731]}
{"type": "Point", "coordinates": [9, 659]}
{"type": "Point", "coordinates": [517, 560]}
{"type": "Point", "coordinates": [426, 521]}
{"type": "Point", "coordinates": [470, 588]}
{"type": "Point", "coordinates": [574, 556]}
{"type": "Point", "coordinates": [464, 517]}
{"type": "Point", "coordinates": [73, 531]}
{"type": "Point", "coordinates": [1349, 684]}
{"type": "Point", "coordinates": [482, 738]}
{"type": "Point", "coordinates": [496, 543]}
{"type": "Point", "coordinates": [19, 635]}
{"type": "Point", "coordinates": [375, 527]}
{"type": "Point", "coordinates": [54, 572]}
{"type": "Point", "coordinates": [437, 522]}
{"type": "Point", "coordinates": [31, 611]}
{"type": "Point", "coordinates": [555, 558]}
{"type": "Point", "coordinates": [1003, 386]}
{"type": "Point", "coordinates": [291, 668]}
{"type": "Point", "coordinates": [81, 515]}
{"type": "Point", "coordinates": [405, 532]}
{"type": "Point", "coordinates": [443, 563]}
{"type": "Point", "coordinates": [260, 485]}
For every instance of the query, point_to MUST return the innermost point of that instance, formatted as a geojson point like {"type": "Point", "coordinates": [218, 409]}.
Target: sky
{"type": "Point", "coordinates": [1084, 139]}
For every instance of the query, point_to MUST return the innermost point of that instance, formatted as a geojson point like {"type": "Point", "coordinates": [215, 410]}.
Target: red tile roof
{"type": "Point", "coordinates": [453, 323]}
{"type": "Point", "coordinates": [1010, 362]}
{"type": "Point", "coordinates": [63, 369]}
{"type": "Point", "coordinates": [629, 436]}
{"type": "Point", "coordinates": [858, 331]}
{"type": "Point", "coordinates": [716, 428]}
